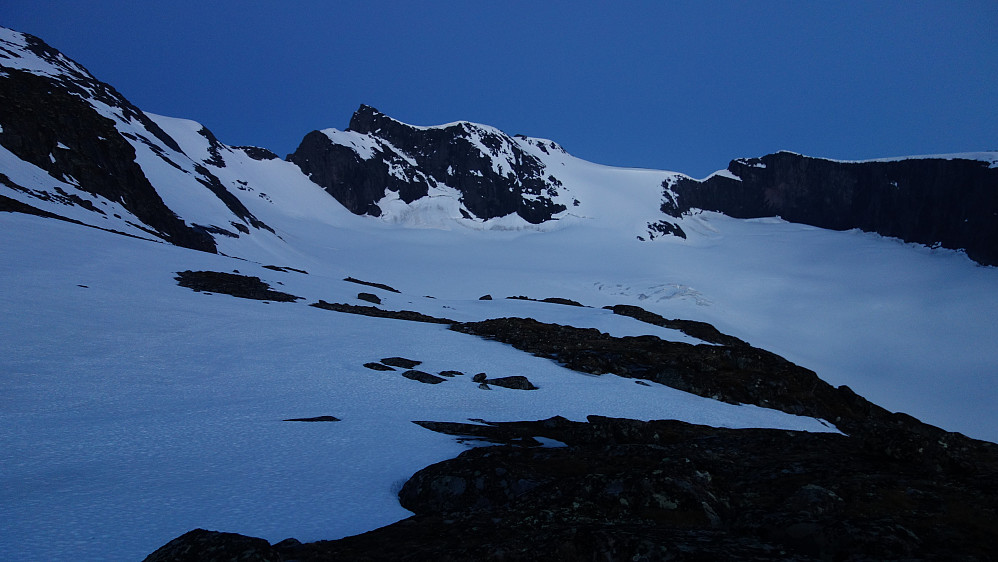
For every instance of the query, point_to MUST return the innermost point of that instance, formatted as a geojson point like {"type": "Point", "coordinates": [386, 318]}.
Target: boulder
{"type": "Point", "coordinates": [378, 367]}
{"type": "Point", "coordinates": [423, 377]}
{"type": "Point", "coordinates": [401, 362]}
{"type": "Point", "coordinates": [516, 382]}
{"type": "Point", "coordinates": [369, 297]}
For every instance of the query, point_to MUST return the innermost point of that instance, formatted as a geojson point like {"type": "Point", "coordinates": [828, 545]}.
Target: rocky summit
{"type": "Point", "coordinates": [377, 155]}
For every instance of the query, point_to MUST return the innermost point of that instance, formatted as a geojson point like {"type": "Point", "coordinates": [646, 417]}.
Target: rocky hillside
{"type": "Point", "coordinates": [890, 488]}
{"type": "Point", "coordinates": [493, 175]}
{"type": "Point", "coordinates": [98, 151]}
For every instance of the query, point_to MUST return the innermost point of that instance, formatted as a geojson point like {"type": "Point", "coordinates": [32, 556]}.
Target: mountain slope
{"type": "Point", "coordinates": [136, 409]}
{"type": "Point", "coordinates": [74, 147]}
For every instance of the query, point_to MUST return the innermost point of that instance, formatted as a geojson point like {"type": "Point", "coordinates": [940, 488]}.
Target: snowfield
{"type": "Point", "coordinates": [134, 409]}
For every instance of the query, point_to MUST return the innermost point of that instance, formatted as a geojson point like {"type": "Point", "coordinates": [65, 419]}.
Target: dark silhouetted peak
{"type": "Point", "coordinates": [368, 120]}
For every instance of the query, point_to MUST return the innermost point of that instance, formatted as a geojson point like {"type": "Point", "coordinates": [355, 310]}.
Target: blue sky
{"type": "Point", "coordinates": [682, 86]}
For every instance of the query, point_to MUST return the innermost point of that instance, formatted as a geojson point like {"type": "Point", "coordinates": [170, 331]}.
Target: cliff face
{"type": "Point", "coordinates": [951, 203]}
{"type": "Point", "coordinates": [494, 175]}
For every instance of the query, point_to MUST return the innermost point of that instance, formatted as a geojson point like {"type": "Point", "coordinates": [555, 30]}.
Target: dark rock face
{"type": "Point", "coordinates": [39, 114]}
{"type": "Point", "coordinates": [949, 203]}
{"type": "Point", "coordinates": [494, 175]}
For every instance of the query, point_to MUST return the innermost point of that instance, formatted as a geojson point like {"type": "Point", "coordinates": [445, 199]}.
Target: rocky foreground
{"type": "Point", "coordinates": [887, 488]}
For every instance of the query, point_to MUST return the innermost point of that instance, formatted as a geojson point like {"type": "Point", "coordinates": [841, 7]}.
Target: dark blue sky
{"type": "Point", "coordinates": [682, 86]}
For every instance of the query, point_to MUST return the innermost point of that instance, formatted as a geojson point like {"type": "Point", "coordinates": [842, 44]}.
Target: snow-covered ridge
{"type": "Point", "coordinates": [990, 157]}
{"type": "Point", "coordinates": [25, 52]}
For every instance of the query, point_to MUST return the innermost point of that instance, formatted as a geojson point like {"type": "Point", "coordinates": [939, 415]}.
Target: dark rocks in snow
{"type": "Point", "coordinates": [951, 203]}
{"type": "Point", "coordinates": [378, 367]}
{"type": "Point", "coordinates": [891, 487]}
{"type": "Point", "coordinates": [284, 269]}
{"type": "Point", "coordinates": [516, 382]}
{"type": "Point", "coordinates": [551, 300]}
{"type": "Point", "coordinates": [559, 300]}
{"type": "Point", "coordinates": [242, 286]}
{"type": "Point", "coordinates": [700, 330]}
{"type": "Point", "coordinates": [369, 297]}
{"type": "Point", "coordinates": [451, 374]}
{"type": "Point", "coordinates": [495, 176]}
{"type": "Point", "coordinates": [315, 419]}
{"type": "Point", "coordinates": [372, 284]}
{"type": "Point", "coordinates": [201, 545]}
{"type": "Point", "coordinates": [257, 153]}
{"type": "Point", "coordinates": [663, 228]}
{"type": "Point", "coordinates": [485, 298]}
{"type": "Point", "coordinates": [423, 377]}
{"type": "Point", "coordinates": [401, 362]}
{"type": "Point", "coordinates": [376, 312]}
{"type": "Point", "coordinates": [623, 489]}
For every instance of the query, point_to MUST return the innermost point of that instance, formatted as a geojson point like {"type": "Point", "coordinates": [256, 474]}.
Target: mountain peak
{"type": "Point", "coordinates": [368, 120]}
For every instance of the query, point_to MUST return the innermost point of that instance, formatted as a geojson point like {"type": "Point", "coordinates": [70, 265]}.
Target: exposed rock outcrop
{"type": "Point", "coordinates": [200, 545]}
{"type": "Point", "coordinates": [493, 174]}
{"type": "Point", "coordinates": [617, 489]}
{"type": "Point", "coordinates": [951, 203]}
{"type": "Point", "coordinates": [84, 133]}
{"type": "Point", "coordinates": [242, 286]}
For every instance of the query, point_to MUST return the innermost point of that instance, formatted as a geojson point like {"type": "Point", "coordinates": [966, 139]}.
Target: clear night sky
{"type": "Point", "coordinates": [681, 86]}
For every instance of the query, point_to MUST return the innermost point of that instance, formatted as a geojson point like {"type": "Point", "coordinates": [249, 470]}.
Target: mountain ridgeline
{"type": "Point", "coordinates": [112, 166]}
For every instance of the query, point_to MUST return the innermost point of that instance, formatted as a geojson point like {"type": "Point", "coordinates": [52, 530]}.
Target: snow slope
{"type": "Point", "coordinates": [134, 410]}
